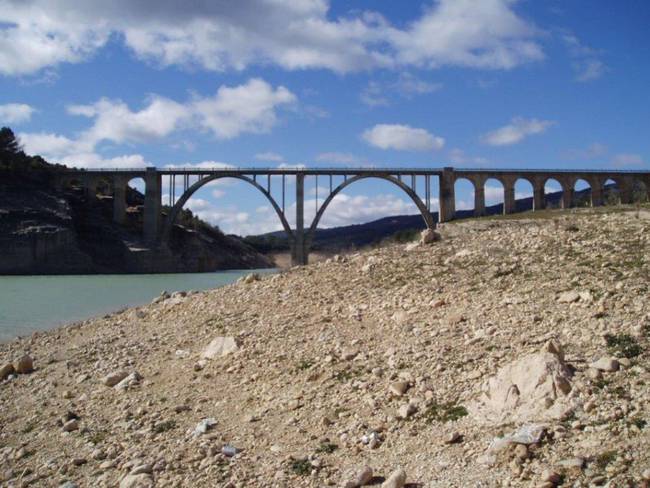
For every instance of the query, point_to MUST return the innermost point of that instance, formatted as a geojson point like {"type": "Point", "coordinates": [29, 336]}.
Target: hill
{"type": "Point", "coordinates": [510, 353]}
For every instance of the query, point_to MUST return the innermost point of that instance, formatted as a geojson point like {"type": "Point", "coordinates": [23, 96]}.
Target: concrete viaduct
{"type": "Point", "coordinates": [415, 182]}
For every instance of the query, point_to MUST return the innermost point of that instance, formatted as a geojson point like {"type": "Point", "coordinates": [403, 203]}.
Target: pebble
{"type": "Point", "coordinates": [398, 388]}
{"type": "Point", "coordinates": [646, 474]}
{"type": "Point", "coordinates": [359, 477]}
{"type": "Point", "coordinates": [606, 364]}
{"type": "Point", "coordinates": [453, 438]}
{"type": "Point", "coordinates": [69, 484]}
{"type": "Point", "coordinates": [25, 365]}
{"type": "Point", "coordinates": [406, 410]}
{"type": "Point", "coordinates": [114, 378]}
{"type": "Point", "coordinates": [142, 468]}
{"type": "Point", "coordinates": [71, 425]}
{"type": "Point", "coordinates": [397, 479]}
{"type": "Point", "coordinates": [143, 480]}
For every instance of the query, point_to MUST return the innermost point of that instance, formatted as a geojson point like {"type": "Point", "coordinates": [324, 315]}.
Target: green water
{"type": "Point", "coordinates": [32, 303]}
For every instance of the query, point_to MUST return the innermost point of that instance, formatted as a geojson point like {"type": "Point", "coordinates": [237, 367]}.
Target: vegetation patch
{"type": "Point", "coordinates": [445, 412]}
{"type": "Point", "coordinates": [301, 467]}
{"type": "Point", "coordinates": [304, 365]}
{"type": "Point", "coordinates": [607, 457]}
{"type": "Point", "coordinates": [623, 345]}
{"type": "Point", "coordinates": [327, 448]}
{"type": "Point", "coordinates": [165, 426]}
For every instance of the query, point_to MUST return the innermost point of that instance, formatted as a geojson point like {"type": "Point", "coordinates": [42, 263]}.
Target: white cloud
{"type": "Point", "coordinates": [339, 158]}
{"type": "Point", "coordinates": [586, 65]}
{"type": "Point", "coordinates": [269, 156]}
{"type": "Point", "coordinates": [593, 151]}
{"type": "Point", "coordinates": [15, 113]}
{"type": "Point", "coordinates": [624, 160]}
{"type": "Point", "coordinates": [458, 156]}
{"type": "Point", "coordinates": [402, 137]}
{"type": "Point", "coordinates": [518, 129]}
{"type": "Point", "coordinates": [373, 95]}
{"type": "Point", "coordinates": [288, 33]}
{"type": "Point", "coordinates": [247, 108]}
{"type": "Point", "coordinates": [407, 85]}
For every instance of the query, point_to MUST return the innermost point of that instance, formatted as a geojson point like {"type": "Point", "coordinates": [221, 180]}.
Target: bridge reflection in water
{"type": "Point", "coordinates": [415, 182]}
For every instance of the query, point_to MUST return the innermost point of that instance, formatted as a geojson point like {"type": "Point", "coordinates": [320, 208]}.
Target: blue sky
{"type": "Point", "coordinates": [490, 83]}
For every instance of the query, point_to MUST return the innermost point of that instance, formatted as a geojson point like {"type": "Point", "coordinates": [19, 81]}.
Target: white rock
{"type": "Point", "coordinates": [143, 480]}
{"type": "Point", "coordinates": [429, 236]}
{"type": "Point", "coordinates": [606, 364]}
{"type": "Point", "coordinates": [114, 378]}
{"type": "Point", "coordinates": [203, 426]}
{"type": "Point", "coordinates": [359, 478]}
{"type": "Point", "coordinates": [219, 347]}
{"type": "Point", "coordinates": [397, 479]}
{"type": "Point", "coordinates": [131, 380]}
{"type": "Point", "coordinates": [568, 297]}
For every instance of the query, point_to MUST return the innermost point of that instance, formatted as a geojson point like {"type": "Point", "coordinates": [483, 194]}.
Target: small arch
{"type": "Point", "coordinates": [135, 191]}
{"type": "Point", "coordinates": [494, 191]}
{"type": "Point", "coordinates": [611, 192]}
{"type": "Point", "coordinates": [553, 194]}
{"type": "Point", "coordinates": [173, 212]}
{"type": "Point", "coordinates": [524, 191]}
{"type": "Point", "coordinates": [582, 194]}
{"type": "Point", "coordinates": [426, 215]}
{"type": "Point", "coordinates": [465, 198]}
{"type": "Point", "coordinates": [639, 192]}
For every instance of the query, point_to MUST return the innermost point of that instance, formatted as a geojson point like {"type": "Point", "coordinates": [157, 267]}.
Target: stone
{"type": "Point", "coordinates": [114, 378]}
{"type": "Point", "coordinates": [71, 425]}
{"type": "Point", "coordinates": [406, 410]}
{"type": "Point", "coordinates": [549, 476]}
{"type": "Point", "coordinates": [25, 365]}
{"type": "Point", "coordinates": [203, 426]}
{"type": "Point", "coordinates": [6, 370]}
{"type": "Point", "coordinates": [359, 477]}
{"type": "Point", "coordinates": [69, 484]}
{"type": "Point", "coordinates": [572, 463]}
{"type": "Point", "coordinates": [251, 278]}
{"type": "Point", "coordinates": [533, 387]}
{"type": "Point", "coordinates": [131, 380]}
{"type": "Point", "coordinates": [429, 236]}
{"type": "Point", "coordinates": [142, 480]}
{"type": "Point", "coordinates": [568, 297]}
{"type": "Point", "coordinates": [220, 347]}
{"type": "Point", "coordinates": [398, 388]}
{"type": "Point", "coordinates": [397, 479]}
{"type": "Point", "coordinates": [453, 438]}
{"type": "Point", "coordinates": [606, 364]}
{"type": "Point", "coordinates": [142, 468]}
{"type": "Point", "coordinates": [646, 474]}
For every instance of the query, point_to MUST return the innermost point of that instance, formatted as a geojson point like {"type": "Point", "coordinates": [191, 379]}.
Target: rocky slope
{"type": "Point", "coordinates": [43, 231]}
{"type": "Point", "coordinates": [510, 353]}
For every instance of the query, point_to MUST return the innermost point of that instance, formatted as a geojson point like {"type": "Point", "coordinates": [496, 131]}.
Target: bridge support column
{"type": "Point", "coordinates": [596, 194]}
{"type": "Point", "coordinates": [538, 196]}
{"type": "Point", "coordinates": [479, 199]}
{"type": "Point", "coordinates": [119, 200]}
{"type": "Point", "coordinates": [509, 203]}
{"type": "Point", "coordinates": [299, 254]}
{"type": "Point", "coordinates": [625, 191]}
{"type": "Point", "coordinates": [447, 196]}
{"type": "Point", "coordinates": [567, 196]}
{"type": "Point", "coordinates": [152, 194]}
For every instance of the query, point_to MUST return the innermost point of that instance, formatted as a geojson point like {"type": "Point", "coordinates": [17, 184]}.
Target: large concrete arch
{"type": "Point", "coordinates": [169, 221]}
{"type": "Point", "coordinates": [426, 215]}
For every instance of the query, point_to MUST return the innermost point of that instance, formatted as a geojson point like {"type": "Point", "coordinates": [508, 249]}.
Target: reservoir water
{"type": "Point", "coordinates": [32, 303]}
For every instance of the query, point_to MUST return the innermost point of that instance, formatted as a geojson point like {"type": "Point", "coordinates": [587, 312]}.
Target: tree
{"type": "Point", "coordinates": [9, 145]}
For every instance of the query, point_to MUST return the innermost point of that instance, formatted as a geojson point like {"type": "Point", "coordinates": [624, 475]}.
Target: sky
{"type": "Point", "coordinates": [317, 83]}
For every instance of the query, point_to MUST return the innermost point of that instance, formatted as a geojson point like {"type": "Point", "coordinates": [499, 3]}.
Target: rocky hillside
{"type": "Point", "coordinates": [509, 353]}
{"type": "Point", "coordinates": [43, 231]}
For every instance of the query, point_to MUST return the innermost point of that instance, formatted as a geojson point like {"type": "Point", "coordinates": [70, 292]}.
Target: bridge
{"type": "Point", "coordinates": [415, 182]}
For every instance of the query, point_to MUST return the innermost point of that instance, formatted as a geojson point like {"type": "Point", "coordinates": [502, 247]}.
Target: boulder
{"type": "Point", "coordinates": [219, 347]}
{"type": "Point", "coordinates": [532, 388]}
{"type": "Point", "coordinates": [25, 364]}
{"type": "Point", "coordinates": [6, 370]}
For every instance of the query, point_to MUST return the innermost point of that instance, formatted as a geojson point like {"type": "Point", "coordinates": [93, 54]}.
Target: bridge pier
{"type": "Point", "coordinates": [567, 195]}
{"type": "Point", "coordinates": [299, 253]}
{"type": "Point", "coordinates": [479, 199]}
{"type": "Point", "coordinates": [119, 200]}
{"type": "Point", "coordinates": [152, 205]}
{"type": "Point", "coordinates": [538, 196]}
{"type": "Point", "coordinates": [447, 195]}
{"type": "Point", "coordinates": [509, 203]}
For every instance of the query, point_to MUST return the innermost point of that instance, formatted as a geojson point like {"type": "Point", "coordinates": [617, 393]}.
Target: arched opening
{"type": "Point", "coordinates": [523, 195]}
{"type": "Point", "coordinates": [553, 194]}
{"type": "Point", "coordinates": [354, 207]}
{"type": "Point", "coordinates": [611, 192]}
{"type": "Point", "coordinates": [581, 193]}
{"type": "Point", "coordinates": [205, 206]}
{"type": "Point", "coordinates": [465, 198]}
{"type": "Point", "coordinates": [135, 190]}
{"type": "Point", "coordinates": [103, 188]}
{"type": "Point", "coordinates": [639, 192]}
{"type": "Point", "coordinates": [494, 196]}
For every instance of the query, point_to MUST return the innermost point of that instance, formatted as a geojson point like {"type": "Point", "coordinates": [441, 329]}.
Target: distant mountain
{"type": "Point", "coordinates": [400, 227]}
